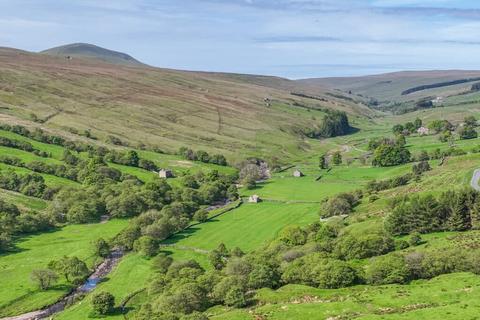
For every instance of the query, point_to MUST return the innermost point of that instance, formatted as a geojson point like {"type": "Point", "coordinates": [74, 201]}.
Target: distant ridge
{"type": "Point", "coordinates": [86, 50]}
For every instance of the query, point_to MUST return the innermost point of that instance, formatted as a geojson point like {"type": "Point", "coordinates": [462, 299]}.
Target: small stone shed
{"type": "Point", "coordinates": [297, 173]}
{"type": "Point", "coordinates": [165, 173]}
{"type": "Point", "coordinates": [254, 199]}
{"type": "Point", "coordinates": [423, 131]}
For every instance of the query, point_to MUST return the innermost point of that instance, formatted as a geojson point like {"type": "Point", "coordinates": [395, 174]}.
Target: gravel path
{"type": "Point", "coordinates": [475, 180]}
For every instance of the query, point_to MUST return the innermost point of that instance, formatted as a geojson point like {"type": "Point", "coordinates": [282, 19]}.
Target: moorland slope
{"type": "Point", "coordinates": [225, 113]}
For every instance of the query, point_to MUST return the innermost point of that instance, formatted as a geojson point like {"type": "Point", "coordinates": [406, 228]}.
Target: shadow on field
{"type": "Point", "coordinates": [25, 237]}
{"type": "Point", "coordinates": [187, 232]}
{"type": "Point", "coordinates": [261, 185]}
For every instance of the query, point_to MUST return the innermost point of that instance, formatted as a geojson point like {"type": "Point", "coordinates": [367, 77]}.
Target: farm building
{"type": "Point", "coordinates": [254, 199]}
{"type": "Point", "coordinates": [297, 173]}
{"type": "Point", "coordinates": [423, 131]}
{"type": "Point", "coordinates": [165, 173]}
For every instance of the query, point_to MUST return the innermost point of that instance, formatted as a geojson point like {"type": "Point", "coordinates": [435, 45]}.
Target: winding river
{"type": "Point", "coordinates": [100, 272]}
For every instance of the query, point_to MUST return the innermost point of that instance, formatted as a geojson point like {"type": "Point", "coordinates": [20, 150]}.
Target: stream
{"type": "Point", "coordinates": [100, 272]}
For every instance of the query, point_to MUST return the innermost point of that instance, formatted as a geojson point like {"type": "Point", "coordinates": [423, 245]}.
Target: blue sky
{"type": "Point", "coordinates": [290, 38]}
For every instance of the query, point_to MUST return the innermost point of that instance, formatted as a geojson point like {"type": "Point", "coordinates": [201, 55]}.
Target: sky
{"type": "Point", "coordinates": [288, 38]}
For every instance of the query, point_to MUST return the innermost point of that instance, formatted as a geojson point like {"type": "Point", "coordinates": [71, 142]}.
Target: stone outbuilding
{"type": "Point", "coordinates": [165, 173]}
{"type": "Point", "coordinates": [297, 173]}
{"type": "Point", "coordinates": [423, 131]}
{"type": "Point", "coordinates": [254, 199]}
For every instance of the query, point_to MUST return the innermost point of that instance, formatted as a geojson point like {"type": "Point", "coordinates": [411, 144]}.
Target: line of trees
{"type": "Point", "coordinates": [32, 185]}
{"type": "Point", "coordinates": [407, 128]}
{"type": "Point", "coordinates": [128, 158]}
{"type": "Point", "coordinates": [202, 156]}
{"type": "Point", "coordinates": [22, 145]}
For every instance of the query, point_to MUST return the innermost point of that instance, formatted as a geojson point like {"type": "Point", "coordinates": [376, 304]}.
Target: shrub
{"type": "Point", "coordinates": [401, 244]}
{"type": "Point", "coordinates": [421, 167]}
{"type": "Point", "coordinates": [350, 246]}
{"type": "Point", "coordinates": [341, 204]}
{"type": "Point", "coordinates": [72, 268]}
{"type": "Point", "coordinates": [293, 235]}
{"type": "Point", "coordinates": [467, 132]}
{"type": "Point", "coordinates": [146, 245]}
{"type": "Point", "coordinates": [415, 239]}
{"type": "Point", "coordinates": [317, 270]}
{"type": "Point", "coordinates": [102, 248]}
{"type": "Point", "coordinates": [235, 297]}
{"type": "Point", "coordinates": [201, 215]}
{"type": "Point", "coordinates": [337, 158]}
{"type": "Point", "coordinates": [44, 278]}
{"type": "Point", "coordinates": [387, 155]}
{"type": "Point", "coordinates": [161, 263]}
{"type": "Point", "coordinates": [388, 269]}
{"type": "Point", "coordinates": [103, 303]}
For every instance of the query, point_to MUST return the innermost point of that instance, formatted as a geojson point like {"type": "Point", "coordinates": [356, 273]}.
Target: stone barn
{"type": "Point", "coordinates": [254, 199]}
{"type": "Point", "coordinates": [423, 131]}
{"type": "Point", "coordinates": [297, 173]}
{"type": "Point", "coordinates": [165, 173]}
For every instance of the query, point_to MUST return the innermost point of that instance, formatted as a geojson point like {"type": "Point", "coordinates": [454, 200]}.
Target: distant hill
{"type": "Point", "coordinates": [406, 90]}
{"type": "Point", "coordinates": [236, 115]}
{"type": "Point", "coordinates": [85, 50]}
{"type": "Point", "coordinates": [392, 86]}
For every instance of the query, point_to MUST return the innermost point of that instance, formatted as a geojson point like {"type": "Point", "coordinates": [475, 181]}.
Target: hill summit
{"type": "Point", "coordinates": [86, 50]}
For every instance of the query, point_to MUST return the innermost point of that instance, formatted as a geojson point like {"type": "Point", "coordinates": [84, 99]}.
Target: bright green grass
{"type": "Point", "coordinates": [142, 174]}
{"type": "Point", "coordinates": [17, 293]}
{"type": "Point", "coordinates": [283, 186]}
{"type": "Point", "coordinates": [50, 180]}
{"type": "Point", "coordinates": [129, 276]}
{"type": "Point", "coordinates": [132, 274]}
{"type": "Point", "coordinates": [453, 296]}
{"type": "Point", "coordinates": [26, 156]}
{"type": "Point", "coordinates": [247, 227]}
{"type": "Point", "coordinates": [177, 163]}
{"type": "Point", "coordinates": [162, 160]}
{"type": "Point", "coordinates": [22, 201]}
{"type": "Point", "coordinates": [431, 142]}
{"type": "Point", "coordinates": [56, 151]}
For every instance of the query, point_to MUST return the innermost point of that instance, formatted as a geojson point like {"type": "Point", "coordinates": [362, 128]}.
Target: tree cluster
{"type": "Point", "coordinates": [29, 184]}
{"type": "Point", "coordinates": [407, 128]}
{"type": "Point", "coordinates": [202, 156]}
{"type": "Point", "coordinates": [335, 123]}
{"type": "Point", "coordinates": [451, 211]}
{"type": "Point", "coordinates": [390, 153]}
{"type": "Point", "coordinates": [341, 204]}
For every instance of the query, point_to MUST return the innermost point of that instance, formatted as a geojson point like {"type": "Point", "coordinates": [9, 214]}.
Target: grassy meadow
{"type": "Point", "coordinates": [453, 296]}
{"type": "Point", "coordinates": [17, 293]}
{"type": "Point", "coordinates": [247, 227]}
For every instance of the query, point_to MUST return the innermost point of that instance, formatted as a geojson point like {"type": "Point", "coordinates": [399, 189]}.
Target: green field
{"type": "Point", "coordinates": [17, 293]}
{"type": "Point", "coordinates": [23, 201]}
{"type": "Point", "coordinates": [452, 296]}
{"type": "Point", "coordinates": [247, 227]}
{"type": "Point", "coordinates": [283, 186]}
{"type": "Point", "coordinates": [50, 180]}
{"type": "Point", "coordinates": [56, 151]}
